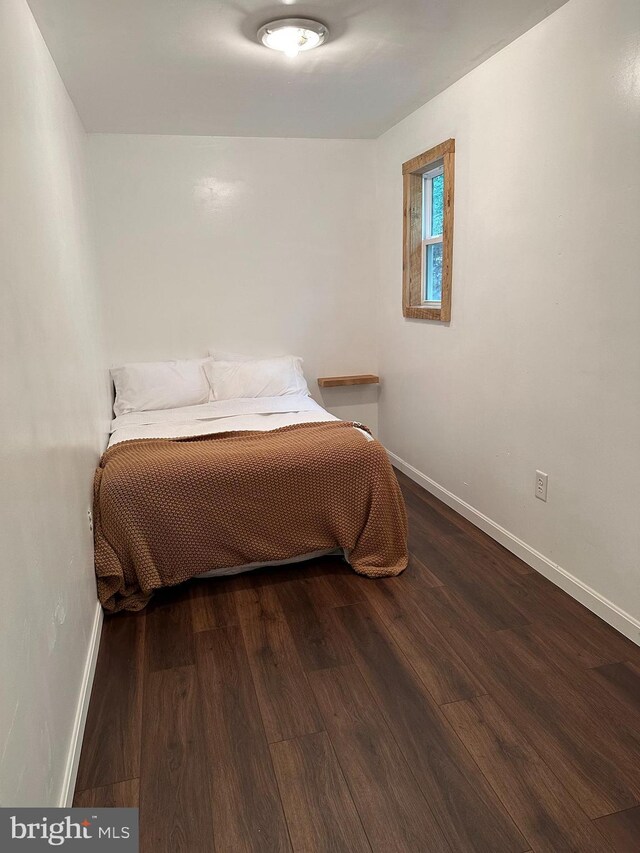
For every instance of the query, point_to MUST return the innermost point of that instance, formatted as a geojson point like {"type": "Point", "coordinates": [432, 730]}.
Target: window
{"type": "Point", "coordinates": [432, 216]}
{"type": "Point", "coordinates": [428, 233]}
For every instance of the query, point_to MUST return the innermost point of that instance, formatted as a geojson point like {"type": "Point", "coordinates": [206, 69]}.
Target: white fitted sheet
{"type": "Point", "coordinates": [236, 570]}
{"type": "Point", "coordinates": [264, 413]}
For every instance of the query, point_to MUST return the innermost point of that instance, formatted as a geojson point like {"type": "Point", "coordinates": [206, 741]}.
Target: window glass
{"type": "Point", "coordinates": [437, 205]}
{"type": "Point", "coordinates": [433, 272]}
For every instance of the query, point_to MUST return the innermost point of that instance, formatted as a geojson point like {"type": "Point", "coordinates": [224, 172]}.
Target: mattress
{"type": "Point", "coordinates": [263, 413]}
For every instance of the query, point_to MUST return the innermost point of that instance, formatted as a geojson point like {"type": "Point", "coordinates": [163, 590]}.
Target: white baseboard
{"type": "Point", "coordinates": [73, 759]}
{"type": "Point", "coordinates": [601, 606]}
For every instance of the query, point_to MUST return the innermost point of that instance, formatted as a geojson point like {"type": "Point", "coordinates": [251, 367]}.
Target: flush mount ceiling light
{"type": "Point", "coordinates": [291, 35]}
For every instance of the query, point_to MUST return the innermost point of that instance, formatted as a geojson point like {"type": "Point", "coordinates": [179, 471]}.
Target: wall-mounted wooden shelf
{"type": "Point", "coordinates": [334, 381]}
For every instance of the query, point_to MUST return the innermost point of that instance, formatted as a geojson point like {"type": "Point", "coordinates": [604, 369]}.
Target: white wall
{"type": "Point", "coordinates": [52, 418]}
{"type": "Point", "coordinates": [540, 366]}
{"type": "Point", "coordinates": [256, 245]}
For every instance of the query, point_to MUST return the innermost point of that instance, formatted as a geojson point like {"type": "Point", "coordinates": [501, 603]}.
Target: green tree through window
{"type": "Point", "coordinates": [437, 205]}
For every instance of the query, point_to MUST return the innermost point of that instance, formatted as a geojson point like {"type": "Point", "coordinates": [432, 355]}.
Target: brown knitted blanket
{"type": "Point", "coordinates": [166, 510]}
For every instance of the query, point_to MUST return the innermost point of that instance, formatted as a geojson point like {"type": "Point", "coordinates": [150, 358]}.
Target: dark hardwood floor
{"type": "Point", "coordinates": [467, 705]}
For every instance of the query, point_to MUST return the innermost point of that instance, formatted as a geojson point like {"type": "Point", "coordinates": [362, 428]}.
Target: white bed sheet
{"type": "Point", "coordinates": [264, 413]}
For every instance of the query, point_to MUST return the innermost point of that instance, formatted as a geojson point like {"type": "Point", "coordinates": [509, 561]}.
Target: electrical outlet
{"type": "Point", "coordinates": [90, 519]}
{"type": "Point", "coordinates": [542, 481]}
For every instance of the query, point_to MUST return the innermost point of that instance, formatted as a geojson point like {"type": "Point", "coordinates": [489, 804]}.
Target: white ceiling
{"type": "Point", "coordinates": [194, 67]}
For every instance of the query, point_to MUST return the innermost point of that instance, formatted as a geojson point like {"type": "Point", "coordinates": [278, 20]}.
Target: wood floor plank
{"type": "Point", "coordinates": [320, 812]}
{"type": "Point", "coordinates": [576, 746]}
{"type": "Point", "coordinates": [417, 575]}
{"type": "Point", "coordinates": [623, 681]}
{"type": "Point", "coordinates": [169, 632]}
{"type": "Point", "coordinates": [120, 795]}
{"type": "Point", "coordinates": [391, 599]}
{"type": "Point", "coordinates": [174, 780]}
{"type": "Point", "coordinates": [622, 830]}
{"type": "Point", "coordinates": [483, 593]}
{"type": "Point", "coordinates": [444, 674]}
{"type": "Point", "coordinates": [286, 700]}
{"type": "Point", "coordinates": [213, 603]}
{"type": "Point", "coordinates": [467, 809]}
{"type": "Point", "coordinates": [541, 807]}
{"type": "Point", "coordinates": [567, 641]}
{"type": "Point", "coordinates": [111, 745]}
{"type": "Point", "coordinates": [601, 701]}
{"type": "Point", "coordinates": [394, 813]}
{"type": "Point", "coordinates": [446, 608]}
{"type": "Point", "coordinates": [428, 511]}
{"type": "Point", "coordinates": [312, 627]}
{"type": "Point", "coordinates": [256, 595]}
{"type": "Point", "coordinates": [429, 503]}
{"type": "Point", "coordinates": [460, 629]}
{"type": "Point", "coordinates": [333, 583]}
{"type": "Point", "coordinates": [561, 607]}
{"type": "Point", "coordinates": [489, 567]}
{"type": "Point", "coordinates": [247, 808]}
{"type": "Point", "coordinates": [537, 697]}
{"type": "Point", "coordinates": [483, 579]}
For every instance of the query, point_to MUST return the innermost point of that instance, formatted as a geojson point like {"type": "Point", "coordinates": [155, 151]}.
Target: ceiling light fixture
{"type": "Point", "coordinates": [291, 35]}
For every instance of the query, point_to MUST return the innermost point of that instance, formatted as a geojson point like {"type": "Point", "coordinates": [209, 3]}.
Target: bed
{"type": "Point", "coordinates": [233, 484]}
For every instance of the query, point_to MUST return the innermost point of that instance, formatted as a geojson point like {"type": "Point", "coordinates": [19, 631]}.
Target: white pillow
{"type": "Point", "coordinates": [145, 386]}
{"type": "Point", "coordinates": [268, 377]}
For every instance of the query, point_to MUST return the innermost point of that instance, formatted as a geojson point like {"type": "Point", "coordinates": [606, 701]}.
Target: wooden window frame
{"type": "Point", "coordinates": [413, 302]}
